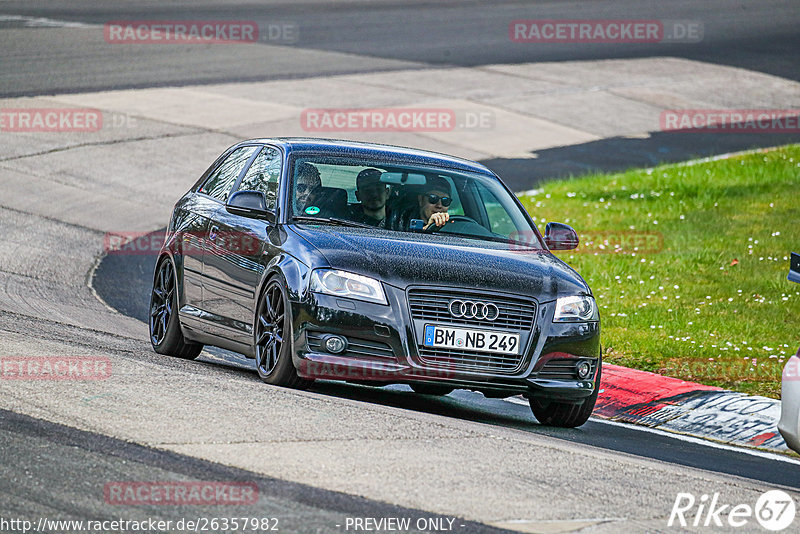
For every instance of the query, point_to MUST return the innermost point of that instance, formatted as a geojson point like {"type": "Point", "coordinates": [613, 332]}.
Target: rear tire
{"type": "Point", "coordinates": [274, 338]}
{"type": "Point", "coordinates": [431, 389]}
{"type": "Point", "coordinates": [564, 414]}
{"type": "Point", "coordinates": [165, 329]}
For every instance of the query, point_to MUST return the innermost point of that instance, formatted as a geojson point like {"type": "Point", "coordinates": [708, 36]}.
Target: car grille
{"type": "Point", "coordinates": [356, 347]}
{"type": "Point", "coordinates": [470, 360]}
{"type": "Point", "coordinates": [563, 368]}
{"type": "Point", "coordinates": [433, 305]}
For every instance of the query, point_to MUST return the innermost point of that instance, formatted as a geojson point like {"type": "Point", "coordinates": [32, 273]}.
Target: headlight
{"type": "Point", "coordinates": [574, 309]}
{"type": "Point", "coordinates": [348, 285]}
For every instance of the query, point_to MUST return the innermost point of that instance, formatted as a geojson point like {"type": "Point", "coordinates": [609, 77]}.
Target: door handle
{"type": "Point", "coordinates": [212, 233]}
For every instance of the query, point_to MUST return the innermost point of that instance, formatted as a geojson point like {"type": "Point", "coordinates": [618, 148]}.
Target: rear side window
{"type": "Point", "coordinates": [263, 175]}
{"type": "Point", "coordinates": [221, 181]}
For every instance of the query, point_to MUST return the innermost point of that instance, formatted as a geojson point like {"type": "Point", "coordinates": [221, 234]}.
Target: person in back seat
{"type": "Point", "coordinates": [373, 195]}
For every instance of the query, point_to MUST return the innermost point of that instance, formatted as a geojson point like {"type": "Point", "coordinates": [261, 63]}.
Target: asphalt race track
{"type": "Point", "coordinates": [364, 36]}
{"type": "Point", "coordinates": [322, 457]}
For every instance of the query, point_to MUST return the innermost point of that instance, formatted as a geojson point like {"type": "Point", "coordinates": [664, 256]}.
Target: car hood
{"type": "Point", "coordinates": [402, 260]}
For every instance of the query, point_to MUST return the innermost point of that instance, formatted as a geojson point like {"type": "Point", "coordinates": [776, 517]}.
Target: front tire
{"type": "Point", "coordinates": [273, 338]}
{"type": "Point", "coordinates": [165, 330]}
{"type": "Point", "coordinates": [564, 414]}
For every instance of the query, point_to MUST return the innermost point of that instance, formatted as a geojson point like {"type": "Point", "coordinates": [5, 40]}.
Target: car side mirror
{"type": "Point", "coordinates": [560, 236]}
{"type": "Point", "coordinates": [250, 204]}
{"type": "Point", "coordinates": [794, 268]}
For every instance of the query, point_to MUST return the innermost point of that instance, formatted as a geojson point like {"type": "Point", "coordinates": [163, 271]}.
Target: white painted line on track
{"type": "Point", "coordinates": [43, 22]}
{"type": "Point", "coordinates": [684, 437]}
{"type": "Point", "coordinates": [90, 284]}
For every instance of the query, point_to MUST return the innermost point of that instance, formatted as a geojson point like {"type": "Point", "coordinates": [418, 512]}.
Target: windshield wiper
{"type": "Point", "coordinates": [332, 220]}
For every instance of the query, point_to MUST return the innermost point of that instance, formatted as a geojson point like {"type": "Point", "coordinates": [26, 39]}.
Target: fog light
{"type": "Point", "coordinates": [335, 344]}
{"type": "Point", "coordinates": [583, 369]}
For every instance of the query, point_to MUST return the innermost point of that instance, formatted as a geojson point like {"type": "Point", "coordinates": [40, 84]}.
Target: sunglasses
{"type": "Point", "coordinates": [434, 199]}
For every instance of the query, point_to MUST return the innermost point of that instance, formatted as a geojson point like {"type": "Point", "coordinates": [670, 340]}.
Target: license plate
{"type": "Point", "coordinates": [463, 338]}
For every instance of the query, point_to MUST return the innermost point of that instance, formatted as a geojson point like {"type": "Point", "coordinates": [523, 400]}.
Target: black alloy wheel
{"type": "Point", "coordinates": [273, 338]}
{"type": "Point", "coordinates": [165, 331]}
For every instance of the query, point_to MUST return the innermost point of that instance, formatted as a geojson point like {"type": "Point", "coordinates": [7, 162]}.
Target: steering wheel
{"type": "Point", "coordinates": [453, 218]}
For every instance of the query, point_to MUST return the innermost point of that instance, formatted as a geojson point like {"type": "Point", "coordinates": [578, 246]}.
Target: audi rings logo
{"type": "Point", "coordinates": [467, 309]}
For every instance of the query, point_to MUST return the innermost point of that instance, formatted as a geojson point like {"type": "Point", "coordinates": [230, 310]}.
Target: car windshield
{"type": "Point", "coordinates": [405, 198]}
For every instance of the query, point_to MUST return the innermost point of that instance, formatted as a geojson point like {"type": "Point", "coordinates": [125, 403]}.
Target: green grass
{"type": "Point", "coordinates": [706, 298]}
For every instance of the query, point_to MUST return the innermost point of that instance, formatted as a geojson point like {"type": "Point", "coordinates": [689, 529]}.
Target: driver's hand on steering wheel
{"type": "Point", "coordinates": [439, 219]}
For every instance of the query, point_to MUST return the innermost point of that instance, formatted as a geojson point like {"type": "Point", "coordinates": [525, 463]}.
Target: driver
{"type": "Point", "coordinates": [434, 202]}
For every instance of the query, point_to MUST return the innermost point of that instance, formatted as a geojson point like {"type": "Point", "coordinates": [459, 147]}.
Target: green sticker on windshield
{"type": "Point", "coordinates": [312, 210]}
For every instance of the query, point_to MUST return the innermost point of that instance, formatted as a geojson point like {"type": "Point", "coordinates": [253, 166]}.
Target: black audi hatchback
{"type": "Point", "coordinates": [326, 259]}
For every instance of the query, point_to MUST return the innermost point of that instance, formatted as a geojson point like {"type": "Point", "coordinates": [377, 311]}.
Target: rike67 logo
{"type": "Point", "coordinates": [774, 510]}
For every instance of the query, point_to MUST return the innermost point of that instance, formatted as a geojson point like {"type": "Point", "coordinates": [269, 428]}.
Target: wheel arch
{"type": "Point", "coordinates": [177, 263]}
{"type": "Point", "coordinates": [293, 271]}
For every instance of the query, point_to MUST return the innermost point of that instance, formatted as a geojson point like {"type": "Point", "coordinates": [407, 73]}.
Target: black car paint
{"type": "Point", "coordinates": [218, 292]}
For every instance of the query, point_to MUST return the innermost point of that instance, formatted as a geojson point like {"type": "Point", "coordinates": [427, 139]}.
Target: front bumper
{"type": "Point", "coordinates": [385, 340]}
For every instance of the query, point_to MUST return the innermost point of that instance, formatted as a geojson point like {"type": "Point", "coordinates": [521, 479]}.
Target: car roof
{"type": "Point", "coordinates": [394, 154]}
